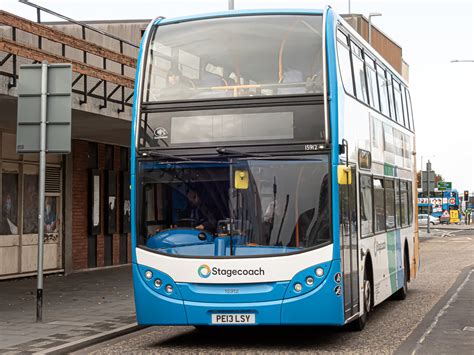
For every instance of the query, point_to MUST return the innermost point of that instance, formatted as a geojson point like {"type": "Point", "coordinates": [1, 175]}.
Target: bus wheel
{"type": "Point", "coordinates": [401, 294]}
{"type": "Point", "coordinates": [359, 323]}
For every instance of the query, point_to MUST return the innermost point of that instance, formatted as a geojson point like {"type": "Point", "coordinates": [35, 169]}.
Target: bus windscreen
{"type": "Point", "coordinates": [234, 207]}
{"type": "Point", "coordinates": [243, 56]}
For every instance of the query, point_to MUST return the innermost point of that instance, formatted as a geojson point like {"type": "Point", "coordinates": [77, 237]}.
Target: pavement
{"type": "Point", "coordinates": [78, 307]}
{"type": "Point", "coordinates": [87, 308]}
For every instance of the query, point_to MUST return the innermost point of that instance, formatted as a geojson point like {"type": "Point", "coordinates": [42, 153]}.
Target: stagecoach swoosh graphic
{"type": "Point", "coordinates": [204, 271]}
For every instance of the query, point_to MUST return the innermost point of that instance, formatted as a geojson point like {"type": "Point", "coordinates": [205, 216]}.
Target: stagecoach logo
{"type": "Point", "coordinates": [160, 133]}
{"type": "Point", "coordinates": [204, 271]}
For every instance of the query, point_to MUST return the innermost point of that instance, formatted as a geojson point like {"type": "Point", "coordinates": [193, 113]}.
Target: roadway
{"type": "Point", "coordinates": [447, 256]}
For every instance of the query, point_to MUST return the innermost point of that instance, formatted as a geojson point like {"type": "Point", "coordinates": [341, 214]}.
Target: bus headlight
{"type": "Point", "coordinates": [158, 283]}
{"type": "Point", "coordinates": [148, 274]}
{"type": "Point", "coordinates": [309, 281]}
{"type": "Point", "coordinates": [169, 288]}
{"type": "Point", "coordinates": [298, 287]}
{"type": "Point", "coordinates": [319, 272]}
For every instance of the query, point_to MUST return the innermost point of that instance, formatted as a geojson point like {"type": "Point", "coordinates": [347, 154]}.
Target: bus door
{"type": "Point", "coordinates": [349, 243]}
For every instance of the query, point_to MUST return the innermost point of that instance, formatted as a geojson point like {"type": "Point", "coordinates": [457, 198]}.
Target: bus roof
{"type": "Point", "coordinates": [234, 13]}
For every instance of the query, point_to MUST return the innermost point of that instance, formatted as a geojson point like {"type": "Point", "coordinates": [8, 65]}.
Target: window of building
{"type": "Point", "coordinates": [109, 157]}
{"type": "Point", "coordinates": [124, 159]}
{"type": "Point", "coordinates": [379, 205]}
{"type": "Point", "coordinates": [30, 199]}
{"type": "Point", "coordinates": [382, 81]}
{"type": "Point", "coordinates": [366, 205]}
{"type": "Point", "coordinates": [359, 73]}
{"type": "Point", "coordinates": [9, 216]}
{"type": "Point", "coordinates": [344, 57]}
{"type": "Point", "coordinates": [372, 83]}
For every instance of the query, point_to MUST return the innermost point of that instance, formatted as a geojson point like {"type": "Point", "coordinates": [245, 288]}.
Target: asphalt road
{"type": "Point", "coordinates": [444, 255]}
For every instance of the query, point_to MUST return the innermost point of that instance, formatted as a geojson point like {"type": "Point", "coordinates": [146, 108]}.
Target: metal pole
{"type": "Point", "coordinates": [370, 30]}
{"type": "Point", "coordinates": [42, 170]}
{"type": "Point", "coordinates": [231, 4]}
{"type": "Point", "coordinates": [349, 6]}
{"type": "Point", "coordinates": [372, 14]}
{"type": "Point", "coordinates": [428, 168]}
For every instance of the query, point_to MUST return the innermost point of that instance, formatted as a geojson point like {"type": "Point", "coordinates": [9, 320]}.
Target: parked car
{"type": "Point", "coordinates": [423, 219]}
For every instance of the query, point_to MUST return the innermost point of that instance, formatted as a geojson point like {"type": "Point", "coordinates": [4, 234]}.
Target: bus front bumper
{"type": "Point", "coordinates": [280, 305]}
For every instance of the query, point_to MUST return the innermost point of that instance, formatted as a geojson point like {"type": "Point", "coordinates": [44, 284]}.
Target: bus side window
{"type": "Point", "coordinates": [366, 205]}
{"type": "Point", "coordinates": [405, 108]}
{"type": "Point", "coordinates": [389, 204]}
{"type": "Point", "coordinates": [344, 59]}
{"type": "Point", "coordinates": [390, 97]}
{"type": "Point", "coordinates": [359, 74]}
{"type": "Point", "coordinates": [382, 81]}
{"type": "Point", "coordinates": [405, 202]}
{"type": "Point", "coordinates": [410, 202]}
{"type": "Point", "coordinates": [372, 82]}
{"type": "Point", "coordinates": [398, 102]}
{"type": "Point", "coordinates": [379, 205]}
{"type": "Point", "coordinates": [410, 111]}
{"type": "Point", "coordinates": [398, 209]}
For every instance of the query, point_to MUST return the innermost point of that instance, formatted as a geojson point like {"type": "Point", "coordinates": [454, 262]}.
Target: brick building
{"type": "Point", "coordinates": [87, 191]}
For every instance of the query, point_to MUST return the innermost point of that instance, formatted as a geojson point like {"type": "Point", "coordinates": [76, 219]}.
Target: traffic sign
{"type": "Point", "coordinates": [43, 126]}
{"type": "Point", "coordinates": [444, 185]}
{"type": "Point", "coordinates": [58, 113]}
{"type": "Point", "coordinates": [452, 201]}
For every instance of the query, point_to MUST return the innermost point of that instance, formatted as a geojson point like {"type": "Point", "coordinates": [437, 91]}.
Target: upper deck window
{"type": "Point", "coordinates": [235, 57]}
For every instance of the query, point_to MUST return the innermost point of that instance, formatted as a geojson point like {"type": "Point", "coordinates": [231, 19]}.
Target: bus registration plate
{"type": "Point", "coordinates": [233, 318]}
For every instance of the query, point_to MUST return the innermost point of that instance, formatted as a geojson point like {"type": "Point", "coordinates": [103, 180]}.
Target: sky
{"type": "Point", "coordinates": [430, 32]}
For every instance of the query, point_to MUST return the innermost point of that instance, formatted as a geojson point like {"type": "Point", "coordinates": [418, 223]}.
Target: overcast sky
{"type": "Point", "coordinates": [431, 33]}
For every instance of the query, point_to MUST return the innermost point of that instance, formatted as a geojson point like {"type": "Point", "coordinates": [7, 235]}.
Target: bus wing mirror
{"type": "Point", "coordinates": [241, 179]}
{"type": "Point", "coordinates": [344, 176]}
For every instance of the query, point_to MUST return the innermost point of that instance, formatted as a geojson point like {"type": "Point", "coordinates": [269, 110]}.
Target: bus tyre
{"type": "Point", "coordinates": [359, 323]}
{"type": "Point", "coordinates": [401, 294]}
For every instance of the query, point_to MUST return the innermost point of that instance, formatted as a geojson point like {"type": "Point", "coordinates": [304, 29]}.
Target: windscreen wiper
{"type": "Point", "coordinates": [226, 151]}
{"type": "Point", "coordinates": [153, 153]}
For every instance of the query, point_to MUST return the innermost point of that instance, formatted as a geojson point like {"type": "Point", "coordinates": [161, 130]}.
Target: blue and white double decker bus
{"type": "Point", "coordinates": [272, 172]}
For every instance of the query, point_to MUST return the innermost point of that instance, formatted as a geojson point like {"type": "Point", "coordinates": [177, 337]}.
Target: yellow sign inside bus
{"type": "Point", "coordinates": [241, 179]}
{"type": "Point", "coordinates": [344, 176]}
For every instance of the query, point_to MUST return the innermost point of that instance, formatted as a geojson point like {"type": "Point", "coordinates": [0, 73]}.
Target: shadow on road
{"type": "Point", "coordinates": [249, 337]}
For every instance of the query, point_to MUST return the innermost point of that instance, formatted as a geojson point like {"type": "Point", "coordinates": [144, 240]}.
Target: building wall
{"type": "Point", "coordinates": [81, 206]}
{"type": "Point", "coordinates": [387, 48]}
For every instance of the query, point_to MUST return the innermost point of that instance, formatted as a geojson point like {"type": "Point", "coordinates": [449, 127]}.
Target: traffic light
{"type": "Point", "coordinates": [466, 195]}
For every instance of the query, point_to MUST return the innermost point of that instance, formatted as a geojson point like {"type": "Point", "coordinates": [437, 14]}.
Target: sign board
{"type": "Point", "coordinates": [454, 216]}
{"type": "Point", "coordinates": [425, 178]}
{"type": "Point", "coordinates": [58, 115]}
{"type": "Point", "coordinates": [444, 185]}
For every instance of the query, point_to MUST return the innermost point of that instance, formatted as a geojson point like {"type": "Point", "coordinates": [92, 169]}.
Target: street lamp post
{"type": "Point", "coordinates": [231, 4]}
{"type": "Point", "coordinates": [428, 166]}
{"type": "Point", "coordinates": [428, 170]}
{"type": "Point", "coordinates": [372, 14]}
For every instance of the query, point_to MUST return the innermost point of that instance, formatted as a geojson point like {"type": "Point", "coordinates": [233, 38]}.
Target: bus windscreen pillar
{"type": "Point", "coordinates": [43, 126]}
